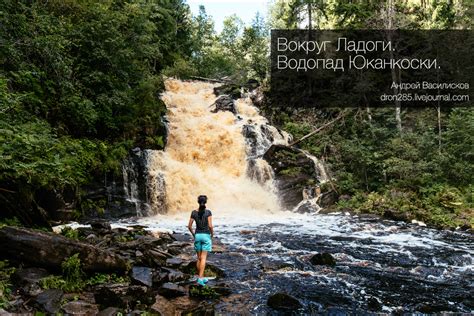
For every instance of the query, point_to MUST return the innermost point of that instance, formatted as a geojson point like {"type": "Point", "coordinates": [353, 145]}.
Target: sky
{"type": "Point", "coordinates": [219, 9]}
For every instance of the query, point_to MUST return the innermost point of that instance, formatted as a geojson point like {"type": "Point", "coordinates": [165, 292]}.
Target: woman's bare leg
{"type": "Point", "coordinates": [202, 263]}
{"type": "Point", "coordinates": [198, 261]}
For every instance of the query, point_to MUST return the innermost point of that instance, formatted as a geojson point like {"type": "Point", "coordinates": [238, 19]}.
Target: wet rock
{"type": "Point", "coordinates": [163, 306]}
{"type": "Point", "coordinates": [110, 311]}
{"type": "Point", "coordinates": [218, 246]}
{"type": "Point", "coordinates": [80, 308]}
{"type": "Point", "coordinates": [160, 278]}
{"type": "Point", "coordinates": [323, 259]}
{"type": "Point", "coordinates": [157, 256]}
{"type": "Point", "coordinates": [174, 262]}
{"type": "Point", "coordinates": [50, 300]}
{"type": "Point", "coordinates": [143, 275]}
{"type": "Point", "coordinates": [169, 275]}
{"type": "Point", "coordinates": [294, 172]}
{"type": "Point", "coordinates": [48, 250]}
{"type": "Point", "coordinates": [175, 275]}
{"type": "Point", "coordinates": [28, 280]}
{"type": "Point", "coordinates": [100, 225]}
{"type": "Point", "coordinates": [252, 84]}
{"type": "Point", "coordinates": [29, 275]}
{"type": "Point", "coordinates": [328, 199]}
{"type": "Point", "coordinates": [121, 295]}
{"type": "Point", "coordinates": [222, 289]}
{"type": "Point", "coordinates": [224, 103]}
{"type": "Point", "coordinates": [232, 90]}
{"type": "Point", "coordinates": [374, 304]}
{"type": "Point", "coordinates": [247, 232]}
{"type": "Point", "coordinates": [273, 265]}
{"type": "Point", "coordinates": [283, 301]}
{"type": "Point", "coordinates": [184, 305]}
{"type": "Point", "coordinates": [307, 207]}
{"type": "Point", "coordinates": [396, 216]}
{"type": "Point", "coordinates": [182, 237]}
{"type": "Point", "coordinates": [171, 290]}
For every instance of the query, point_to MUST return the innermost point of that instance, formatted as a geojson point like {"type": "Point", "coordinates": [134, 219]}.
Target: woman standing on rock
{"type": "Point", "coordinates": [202, 236]}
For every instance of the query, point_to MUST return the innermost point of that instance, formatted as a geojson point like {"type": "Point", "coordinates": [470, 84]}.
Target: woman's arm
{"type": "Point", "coordinates": [190, 226]}
{"type": "Point", "coordinates": [209, 223]}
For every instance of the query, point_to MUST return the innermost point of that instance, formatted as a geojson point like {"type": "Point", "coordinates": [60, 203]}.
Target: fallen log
{"type": "Point", "coordinates": [210, 79]}
{"type": "Point", "coordinates": [49, 250]}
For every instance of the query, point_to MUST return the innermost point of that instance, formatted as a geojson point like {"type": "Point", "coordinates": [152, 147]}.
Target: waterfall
{"type": "Point", "coordinates": [207, 153]}
{"type": "Point", "coordinates": [218, 154]}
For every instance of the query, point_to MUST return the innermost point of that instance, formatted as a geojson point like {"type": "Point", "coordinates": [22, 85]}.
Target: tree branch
{"type": "Point", "coordinates": [341, 115]}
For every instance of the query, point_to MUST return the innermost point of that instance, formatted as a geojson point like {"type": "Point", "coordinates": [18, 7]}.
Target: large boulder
{"type": "Point", "coordinates": [224, 103]}
{"type": "Point", "coordinates": [49, 250]}
{"type": "Point", "coordinates": [142, 275]}
{"type": "Point", "coordinates": [170, 290]}
{"type": "Point", "coordinates": [80, 308]}
{"type": "Point", "coordinates": [122, 295]}
{"type": "Point", "coordinates": [49, 301]}
{"type": "Point", "coordinates": [283, 301]}
{"type": "Point", "coordinates": [323, 259]}
{"type": "Point", "coordinates": [232, 90]}
{"type": "Point", "coordinates": [28, 280]}
{"type": "Point", "coordinates": [294, 173]}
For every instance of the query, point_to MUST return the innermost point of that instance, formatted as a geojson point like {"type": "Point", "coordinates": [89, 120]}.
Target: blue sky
{"type": "Point", "coordinates": [219, 9]}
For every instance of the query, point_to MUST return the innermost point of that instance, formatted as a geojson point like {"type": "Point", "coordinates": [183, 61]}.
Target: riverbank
{"type": "Point", "coordinates": [273, 263]}
{"type": "Point", "coordinates": [95, 269]}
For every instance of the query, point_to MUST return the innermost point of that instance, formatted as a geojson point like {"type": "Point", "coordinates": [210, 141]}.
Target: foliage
{"type": "Point", "coordinates": [238, 51]}
{"type": "Point", "coordinates": [10, 222]}
{"type": "Point", "coordinates": [72, 278]}
{"type": "Point", "coordinates": [205, 292]}
{"type": "Point", "coordinates": [52, 282]}
{"type": "Point", "coordinates": [409, 174]}
{"type": "Point", "coordinates": [336, 14]}
{"type": "Point", "coordinates": [101, 278]}
{"type": "Point", "coordinates": [73, 274]}
{"type": "Point", "coordinates": [70, 233]}
{"type": "Point", "coordinates": [80, 84]}
{"type": "Point", "coordinates": [5, 290]}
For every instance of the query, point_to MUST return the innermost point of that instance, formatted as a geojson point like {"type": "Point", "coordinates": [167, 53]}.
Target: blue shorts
{"type": "Point", "coordinates": [202, 242]}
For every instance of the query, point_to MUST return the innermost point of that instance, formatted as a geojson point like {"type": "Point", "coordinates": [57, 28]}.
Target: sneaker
{"type": "Point", "coordinates": [201, 282]}
{"type": "Point", "coordinates": [205, 280]}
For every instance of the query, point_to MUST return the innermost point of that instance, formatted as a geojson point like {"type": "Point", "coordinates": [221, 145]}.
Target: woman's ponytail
{"type": "Point", "coordinates": [202, 200]}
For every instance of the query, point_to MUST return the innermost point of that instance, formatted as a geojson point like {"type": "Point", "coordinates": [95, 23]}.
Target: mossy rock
{"type": "Point", "coordinates": [210, 271]}
{"type": "Point", "coordinates": [231, 90]}
{"type": "Point", "coordinates": [204, 292]}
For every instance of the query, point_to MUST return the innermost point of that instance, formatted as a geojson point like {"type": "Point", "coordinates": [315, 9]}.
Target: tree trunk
{"type": "Point", "coordinates": [310, 26]}
{"type": "Point", "coordinates": [439, 128]}
{"type": "Point", "coordinates": [390, 27]}
{"type": "Point", "coordinates": [49, 250]}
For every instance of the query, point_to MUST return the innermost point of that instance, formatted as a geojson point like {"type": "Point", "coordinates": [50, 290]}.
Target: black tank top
{"type": "Point", "coordinates": [202, 226]}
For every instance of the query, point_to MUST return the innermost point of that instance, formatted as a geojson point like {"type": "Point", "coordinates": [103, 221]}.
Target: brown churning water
{"type": "Point", "coordinates": [206, 154]}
